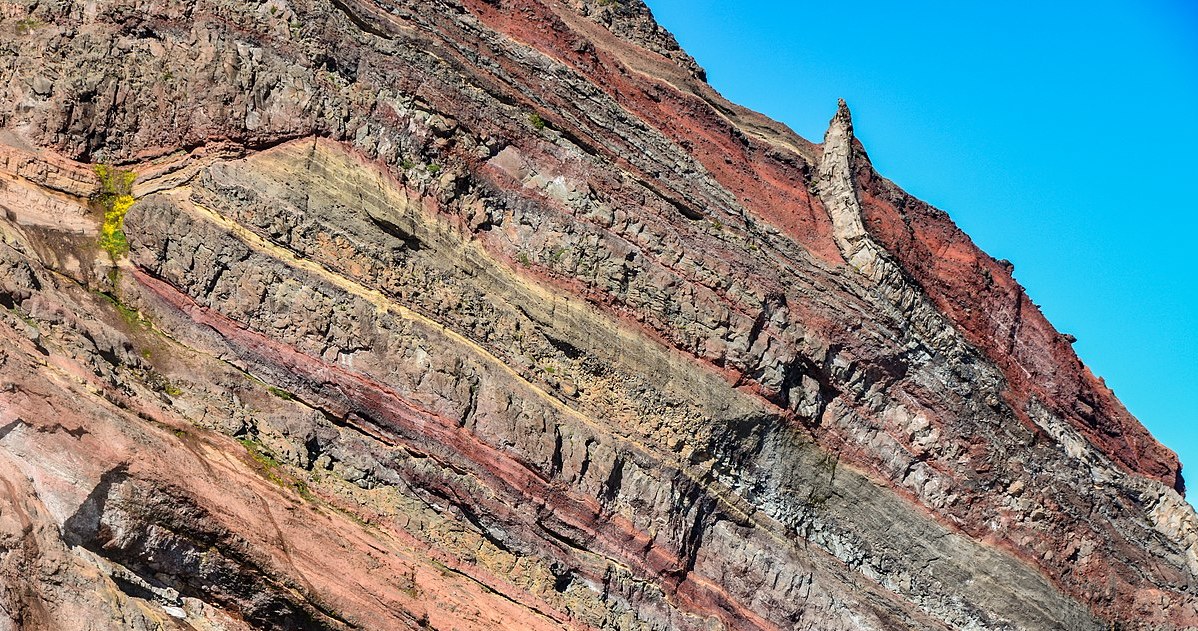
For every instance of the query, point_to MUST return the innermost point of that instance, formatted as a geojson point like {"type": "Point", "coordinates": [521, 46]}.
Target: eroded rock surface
{"type": "Point", "coordinates": [492, 314]}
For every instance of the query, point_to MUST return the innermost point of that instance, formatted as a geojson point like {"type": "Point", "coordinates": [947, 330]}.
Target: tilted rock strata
{"type": "Point", "coordinates": [516, 315]}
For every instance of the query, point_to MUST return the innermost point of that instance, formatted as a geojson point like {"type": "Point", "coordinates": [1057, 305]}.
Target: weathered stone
{"type": "Point", "coordinates": [518, 324]}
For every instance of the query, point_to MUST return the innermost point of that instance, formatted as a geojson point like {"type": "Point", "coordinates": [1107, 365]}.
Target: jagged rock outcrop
{"type": "Point", "coordinates": [471, 314]}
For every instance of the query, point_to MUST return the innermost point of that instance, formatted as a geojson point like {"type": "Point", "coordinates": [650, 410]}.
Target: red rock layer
{"type": "Point", "coordinates": [977, 293]}
{"type": "Point", "coordinates": [984, 302]}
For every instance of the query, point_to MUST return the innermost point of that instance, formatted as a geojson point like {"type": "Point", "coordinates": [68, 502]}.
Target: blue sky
{"type": "Point", "coordinates": [1060, 135]}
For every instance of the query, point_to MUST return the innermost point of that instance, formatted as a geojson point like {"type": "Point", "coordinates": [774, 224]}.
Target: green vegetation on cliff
{"type": "Point", "coordinates": [116, 197]}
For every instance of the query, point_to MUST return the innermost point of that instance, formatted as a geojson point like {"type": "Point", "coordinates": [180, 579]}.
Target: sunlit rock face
{"type": "Point", "coordinates": [487, 314]}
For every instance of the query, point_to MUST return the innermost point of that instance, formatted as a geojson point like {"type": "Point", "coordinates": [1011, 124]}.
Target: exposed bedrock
{"type": "Point", "coordinates": [492, 314]}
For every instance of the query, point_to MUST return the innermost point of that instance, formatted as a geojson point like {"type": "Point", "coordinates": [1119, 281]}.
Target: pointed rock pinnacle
{"type": "Point", "coordinates": [843, 117]}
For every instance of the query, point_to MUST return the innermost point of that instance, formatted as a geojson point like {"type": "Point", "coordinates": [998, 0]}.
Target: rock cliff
{"type": "Point", "coordinates": [478, 314]}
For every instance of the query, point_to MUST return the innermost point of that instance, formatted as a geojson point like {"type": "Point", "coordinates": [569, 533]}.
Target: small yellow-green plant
{"type": "Point", "coordinates": [130, 315]}
{"type": "Point", "coordinates": [28, 25]}
{"type": "Point", "coordinates": [281, 393]}
{"type": "Point", "coordinates": [272, 469]}
{"type": "Point", "coordinates": [536, 120]}
{"type": "Point", "coordinates": [116, 197]}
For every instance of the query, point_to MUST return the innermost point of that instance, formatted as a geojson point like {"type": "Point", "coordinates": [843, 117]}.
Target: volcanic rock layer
{"type": "Point", "coordinates": [478, 314]}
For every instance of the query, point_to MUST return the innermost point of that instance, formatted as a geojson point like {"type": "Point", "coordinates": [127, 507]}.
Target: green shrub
{"type": "Point", "coordinates": [116, 197]}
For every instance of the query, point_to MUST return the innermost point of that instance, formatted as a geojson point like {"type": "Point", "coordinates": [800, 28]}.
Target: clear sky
{"type": "Point", "coordinates": [1059, 135]}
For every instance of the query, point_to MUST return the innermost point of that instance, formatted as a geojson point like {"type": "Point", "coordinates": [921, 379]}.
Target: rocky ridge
{"type": "Point", "coordinates": [499, 301]}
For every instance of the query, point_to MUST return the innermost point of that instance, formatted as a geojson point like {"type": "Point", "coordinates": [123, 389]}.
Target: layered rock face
{"type": "Point", "coordinates": [478, 314]}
